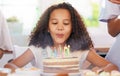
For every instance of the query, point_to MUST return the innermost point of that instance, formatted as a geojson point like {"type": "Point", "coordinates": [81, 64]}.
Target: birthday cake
{"type": "Point", "coordinates": [61, 65]}
{"type": "Point", "coordinates": [61, 62]}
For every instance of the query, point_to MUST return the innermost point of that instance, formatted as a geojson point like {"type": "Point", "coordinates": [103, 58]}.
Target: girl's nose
{"type": "Point", "coordinates": [60, 27]}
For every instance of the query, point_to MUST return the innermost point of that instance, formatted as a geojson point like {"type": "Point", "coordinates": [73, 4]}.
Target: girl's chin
{"type": "Point", "coordinates": [59, 42]}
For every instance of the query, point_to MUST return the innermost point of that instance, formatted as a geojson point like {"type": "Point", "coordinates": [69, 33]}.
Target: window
{"type": "Point", "coordinates": [89, 9]}
{"type": "Point", "coordinates": [25, 11]}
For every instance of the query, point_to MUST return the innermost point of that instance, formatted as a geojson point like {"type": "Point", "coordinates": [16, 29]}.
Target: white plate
{"type": "Point", "coordinates": [54, 74]}
{"type": "Point", "coordinates": [5, 70]}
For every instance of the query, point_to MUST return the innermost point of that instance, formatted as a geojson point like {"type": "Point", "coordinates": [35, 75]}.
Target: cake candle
{"type": "Point", "coordinates": [51, 52]}
{"type": "Point", "coordinates": [55, 52]}
{"type": "Point", "coordinates": [65, 51]}
{"type": "Point", "coordinates": [68, 50]}
{"type": "Point", "coordinates": [59, 53]}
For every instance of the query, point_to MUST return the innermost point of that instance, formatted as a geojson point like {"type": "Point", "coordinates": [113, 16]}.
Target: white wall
{"type": "Point", "coordinates": [100, 36]}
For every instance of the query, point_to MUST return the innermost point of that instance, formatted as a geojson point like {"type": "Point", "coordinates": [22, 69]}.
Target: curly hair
{"type": "Point", "coordinates": [79, 38]}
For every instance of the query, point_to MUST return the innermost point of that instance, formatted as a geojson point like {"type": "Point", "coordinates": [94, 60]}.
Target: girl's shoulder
{"type": "Point", "coordinates": [35, 49]}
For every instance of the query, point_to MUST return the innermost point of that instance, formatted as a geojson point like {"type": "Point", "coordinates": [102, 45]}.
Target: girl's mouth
{"type": "Point", "coordinates": [59, 35]}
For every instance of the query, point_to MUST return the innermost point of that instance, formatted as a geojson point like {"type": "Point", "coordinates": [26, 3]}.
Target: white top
{"type": "Point", "coordinates": [5, 39]}
{"type": "Point", "coordinates": [110, 10]}
{"type": "Point", "coordinates": [40, 54]}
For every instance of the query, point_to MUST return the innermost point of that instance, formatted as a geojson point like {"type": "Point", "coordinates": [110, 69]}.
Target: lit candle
{"type": "Point", "coordinates": [68, 50]}
{"type": "Point", "coordinates": [65, 51]}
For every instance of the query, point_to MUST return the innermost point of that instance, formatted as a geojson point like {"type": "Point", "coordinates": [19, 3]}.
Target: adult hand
{"type": "Point", "coordinates": [115, 1]}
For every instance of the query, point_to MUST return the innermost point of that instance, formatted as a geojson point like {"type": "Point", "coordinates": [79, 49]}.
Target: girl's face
{"type": "Point", "coordinates": [60, 25]}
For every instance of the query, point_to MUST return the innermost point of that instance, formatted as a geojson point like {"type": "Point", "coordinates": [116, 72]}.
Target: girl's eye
{"type": "Point", "coordinates": [66, 23]}
{"type": "Point", "coordinates": [54, 23]}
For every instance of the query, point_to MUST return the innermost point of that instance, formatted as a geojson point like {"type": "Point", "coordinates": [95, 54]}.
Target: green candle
{"type": "Point", "coordinates": [65, 51]}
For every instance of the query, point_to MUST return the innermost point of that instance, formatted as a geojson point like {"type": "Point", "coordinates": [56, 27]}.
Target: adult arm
{"type": "Point", "coordinates": [115, 1]}
{"type": "Point", "coordinates": [114, 23]}
{"type": "Point", "coordinates": [114, 26]}
{"type": "Point", "coordinates": [109, 13]}
{"type": "Point", "coordinates": [21, 61]}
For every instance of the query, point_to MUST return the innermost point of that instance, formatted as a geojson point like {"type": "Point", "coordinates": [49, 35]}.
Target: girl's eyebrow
{"type": "Point", "coordinates": [52, 19]}
{"type": "Point", "coordinates": [66, 19]}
